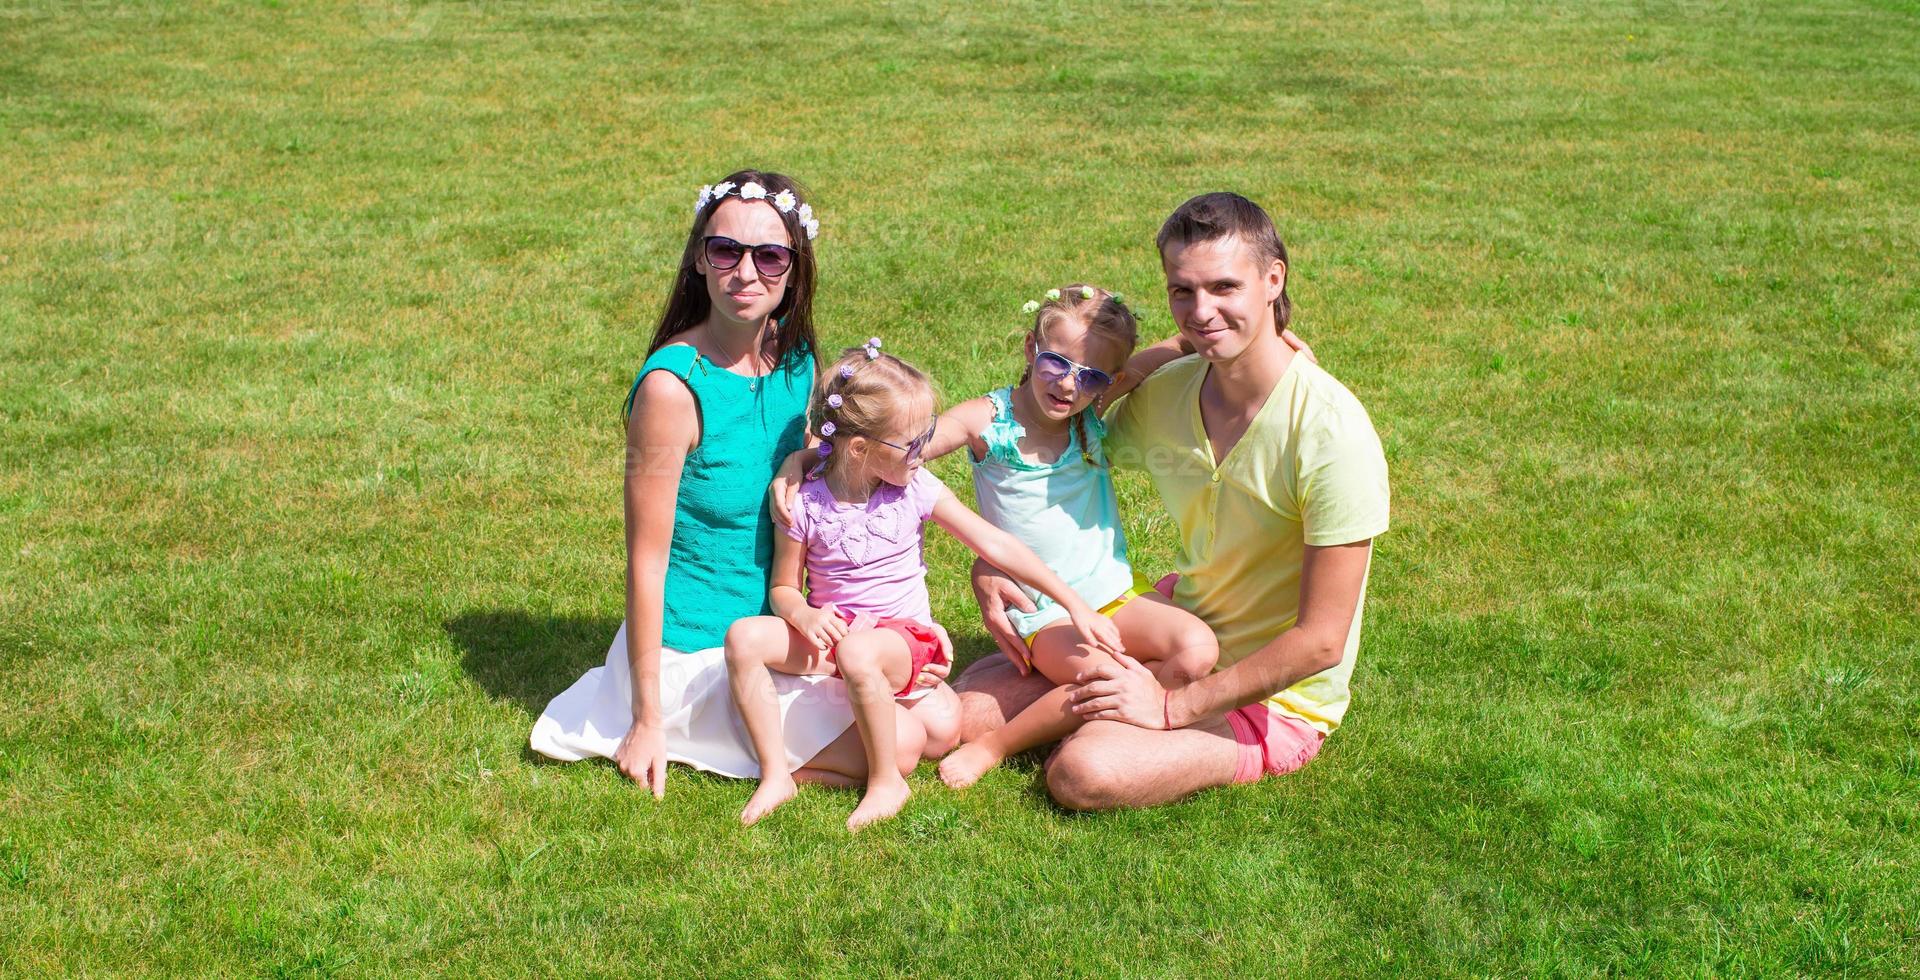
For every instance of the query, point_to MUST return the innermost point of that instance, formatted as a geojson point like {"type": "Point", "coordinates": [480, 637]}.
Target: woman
{"type": "Point", "coordinates": [719, 402]}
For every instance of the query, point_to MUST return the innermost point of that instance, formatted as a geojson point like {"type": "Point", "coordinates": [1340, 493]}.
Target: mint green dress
{"type": "Point", "coordinates": [721, 558]}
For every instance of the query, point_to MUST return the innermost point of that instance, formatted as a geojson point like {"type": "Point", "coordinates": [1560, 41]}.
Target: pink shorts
{"type": "Point", "coordinates": [1271, 744]}
{"type": "Point", "coordinates": [1166, 584]}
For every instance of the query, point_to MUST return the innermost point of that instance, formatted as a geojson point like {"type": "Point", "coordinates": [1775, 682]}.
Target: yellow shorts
{"type": "Point", "coordinates": [1140, 587]}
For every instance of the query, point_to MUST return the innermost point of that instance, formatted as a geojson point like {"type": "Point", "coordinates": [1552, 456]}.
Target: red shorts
{"type": "Point", "coordinates": [923, 643]}
{"type": "Point", "coordinates": [1271, 744]}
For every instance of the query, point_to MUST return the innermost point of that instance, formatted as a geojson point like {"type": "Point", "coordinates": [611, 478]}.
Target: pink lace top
{"type": "Point", "coordinates": [865, 558]}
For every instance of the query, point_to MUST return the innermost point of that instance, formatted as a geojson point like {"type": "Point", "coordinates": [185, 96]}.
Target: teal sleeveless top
{"type": "Point", "coordinates": [721, 558]}
{"type": "Point", "coordinates": [1065, 511]}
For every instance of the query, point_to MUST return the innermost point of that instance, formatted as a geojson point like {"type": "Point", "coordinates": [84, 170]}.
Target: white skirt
{"type": "Point", "coordinates": [703, 730]}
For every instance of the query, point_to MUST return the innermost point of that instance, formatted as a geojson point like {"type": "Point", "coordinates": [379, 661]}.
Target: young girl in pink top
{"type": "Point", "coordinates": [865, 617]}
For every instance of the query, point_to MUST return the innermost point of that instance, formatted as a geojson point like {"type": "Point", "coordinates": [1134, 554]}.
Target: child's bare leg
{"type": "Point", "coordinates": [875, 664]}
{"type": "Point", "coordinates": [843, 762]}
{"type": "Point", "coordinates": [1056, 654]}
{"type": "Point", "coordinates": [1173, 643]}
{"type": "Point", "coordinates": [939, 714]}
{"type": "Point", "coordinates": [754, 646]}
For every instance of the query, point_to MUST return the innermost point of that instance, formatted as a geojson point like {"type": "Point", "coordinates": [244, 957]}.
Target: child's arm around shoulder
{"type": "Point", "coordinates": [1152, 358]}
{"type": "Point", "coordinates": [961, 425]}
{"type": "Point", "coordinates": [1145, 361]}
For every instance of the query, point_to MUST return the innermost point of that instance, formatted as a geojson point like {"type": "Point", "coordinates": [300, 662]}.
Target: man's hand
{"type": "Point", "coordinates": [1122, 690]}
{"type": "Point", "coordinates": [642, 757]}
{"type": "Point", "coordinates": [995, 591]}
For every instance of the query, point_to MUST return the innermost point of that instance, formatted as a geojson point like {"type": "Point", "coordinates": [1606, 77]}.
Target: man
{"type": "Point", "coordinates": [1274, 475]}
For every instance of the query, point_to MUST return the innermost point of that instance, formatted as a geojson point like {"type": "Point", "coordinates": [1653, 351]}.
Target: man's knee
{"type": "Point", "coordinates": [979, 714]}
{"type": "Point", "coordinates": [994, 674]}
{"type": "Point", "coordinates": [1084, 776]}
{"type": "Point", "coordinates": [992, 691]}
{"type": "Point", "coordinates": [988, 671]}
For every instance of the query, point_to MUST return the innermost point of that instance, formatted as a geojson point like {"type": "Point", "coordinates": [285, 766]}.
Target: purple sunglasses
{"type": "Point", "coordinates": [917, 446]}
{"type": "Point", "coordinates": [1052, 367]}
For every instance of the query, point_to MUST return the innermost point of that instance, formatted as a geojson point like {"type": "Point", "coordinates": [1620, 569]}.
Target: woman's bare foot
{"type": "Point", "coordinates": [883, 800]}
{"type": "Point", "coordinates": [773, 791]}
{"type": "Point", "coordinates": [966, 764]}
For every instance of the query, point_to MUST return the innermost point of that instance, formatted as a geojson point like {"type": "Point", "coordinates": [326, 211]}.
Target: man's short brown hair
{"type": "Point", "coordinates": [1223, 214]}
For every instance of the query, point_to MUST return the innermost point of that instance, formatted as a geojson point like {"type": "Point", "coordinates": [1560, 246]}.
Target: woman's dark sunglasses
{"type": "Point", "coordinates": [917, 446]}
{"type": "Point", "coordinates": [724, 253]}
{"type": "Point", "coordinates": [1052, 367]}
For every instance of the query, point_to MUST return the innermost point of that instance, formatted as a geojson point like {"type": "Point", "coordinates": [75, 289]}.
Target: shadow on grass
{"type": "Point", "coordinates": [527, 658]}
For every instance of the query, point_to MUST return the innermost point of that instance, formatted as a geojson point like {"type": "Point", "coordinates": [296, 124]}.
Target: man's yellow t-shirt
{"type": "Point", "coordinates": [1309, 471]}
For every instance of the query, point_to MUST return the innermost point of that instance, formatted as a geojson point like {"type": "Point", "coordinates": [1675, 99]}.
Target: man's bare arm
{"type": "Point", "coordinates": [1331, 579]}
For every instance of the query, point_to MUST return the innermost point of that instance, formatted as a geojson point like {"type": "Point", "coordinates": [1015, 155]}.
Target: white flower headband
{"type": "Point", "coordinates": [784, 202]}
{"type": "Point", "coordinates": [1086, 292]}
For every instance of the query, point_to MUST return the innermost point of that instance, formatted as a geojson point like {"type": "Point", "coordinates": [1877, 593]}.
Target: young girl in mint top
{"type": "Point", "coordinates": [1040, 472]}
{"type": "Point", "coordinates": [856, 532]}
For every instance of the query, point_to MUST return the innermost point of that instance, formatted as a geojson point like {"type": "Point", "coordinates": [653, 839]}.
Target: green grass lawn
{"type": "Point", "coordinates": [316, 318]}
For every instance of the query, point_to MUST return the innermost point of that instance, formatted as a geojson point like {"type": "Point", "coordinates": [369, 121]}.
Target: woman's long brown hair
{"type": "Point", "coordinates": [688, 304]}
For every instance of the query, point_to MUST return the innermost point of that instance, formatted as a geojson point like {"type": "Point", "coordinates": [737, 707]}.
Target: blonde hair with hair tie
{"type": "Point", "coordinates": [861, 394]}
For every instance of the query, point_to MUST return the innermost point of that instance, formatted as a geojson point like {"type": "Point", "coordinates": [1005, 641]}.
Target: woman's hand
{"type": "Point", "coordinates": [995, 591]}
{"type": "Point", "coordinates": [1122, 690]}
{"type": "Point", "coordinates": [784, 491]}
{"type": "Point", "coordinates": [642, 756]}
{"type": "Point", "coordinates": [822, 626]}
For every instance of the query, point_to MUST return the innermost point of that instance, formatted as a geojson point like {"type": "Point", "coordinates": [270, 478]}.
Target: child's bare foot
{"type": "Point", "coordinates": [967, 764]}
{"type": "Point", "coordinates": [773, 791]}
{"type": "Point", "coordinates": [882, 801]}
